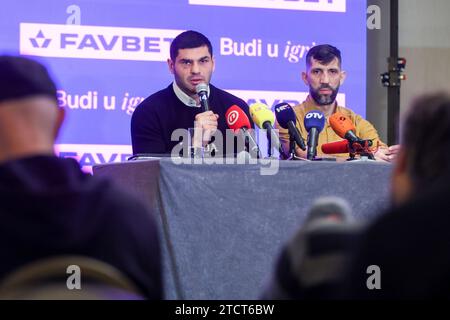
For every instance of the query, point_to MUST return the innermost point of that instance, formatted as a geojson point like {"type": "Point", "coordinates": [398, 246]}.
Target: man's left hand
{"type": "Point", "coordinates": [387, 154]}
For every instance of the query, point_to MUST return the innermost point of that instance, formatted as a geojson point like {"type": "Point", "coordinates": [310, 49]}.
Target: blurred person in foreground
{"type": "Point", "coordinates": [410, 244]}
{"type": "Point", "coordinates": [405, 252]}
{"type": "Point", "coordinates": [48, 206]}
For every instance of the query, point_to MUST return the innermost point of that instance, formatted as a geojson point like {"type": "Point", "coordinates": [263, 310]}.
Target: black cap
{"type": "Point", "coordinates": [22, 77]}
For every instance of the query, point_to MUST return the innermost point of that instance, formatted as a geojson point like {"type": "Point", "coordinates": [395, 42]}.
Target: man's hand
{"type": "Point", "coordinates": [387, 154]}
{"type": "Point", "coordinates": [204, 127]}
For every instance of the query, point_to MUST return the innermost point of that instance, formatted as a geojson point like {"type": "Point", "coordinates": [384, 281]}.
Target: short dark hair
{"type": "Point", "coordinates": [324, 53]}
{"type": "Point", "coordinates": [426, 139]}
{"type": "Point", "coordinates": [188, 40]}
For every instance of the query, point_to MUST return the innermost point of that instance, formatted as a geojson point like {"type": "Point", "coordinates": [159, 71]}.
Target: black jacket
{"type": "Point", "coordinates": [49, 207]}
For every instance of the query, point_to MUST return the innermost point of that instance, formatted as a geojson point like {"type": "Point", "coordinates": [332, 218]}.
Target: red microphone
{"type": "Point", "coordinates": [352, 149]}
{"type": "Point", "coordinates": [335, 147]}
{"type": "Point", "coordinates": [237, 120]}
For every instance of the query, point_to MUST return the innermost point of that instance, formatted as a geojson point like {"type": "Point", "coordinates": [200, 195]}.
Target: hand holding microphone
{"type": "Point", "coordinates": [204, 127]}
{"type": "Point", "coordinates": [206, 122]}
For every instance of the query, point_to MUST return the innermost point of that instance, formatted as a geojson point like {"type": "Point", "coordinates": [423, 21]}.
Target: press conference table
{"type": "Point", "coordinates": [222, 225]}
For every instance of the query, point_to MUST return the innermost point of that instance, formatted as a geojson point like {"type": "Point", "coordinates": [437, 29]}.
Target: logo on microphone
{"type": "Point", "coordinates": [315, 115]}
{"type": "Point", "coordinates": [257, 107]}
{"type": "Point", "coordinates": [233, 116]}
{"type": "Point", "coordinates": [279, 109]}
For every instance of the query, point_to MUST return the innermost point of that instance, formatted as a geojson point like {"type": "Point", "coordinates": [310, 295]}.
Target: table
{"type": "Point", "coordinates": [222, 225]}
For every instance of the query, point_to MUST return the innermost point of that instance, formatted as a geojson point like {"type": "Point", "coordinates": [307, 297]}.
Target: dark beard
{"type": "Point", "coordinates": [321, 99]}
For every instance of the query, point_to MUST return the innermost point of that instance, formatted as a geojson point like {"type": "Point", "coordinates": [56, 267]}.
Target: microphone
{"type": "Point", "coordinates": [237, 120]}
{"type": "Point", "coordinates": [335, 147]}
{"type": "Point", "coordinates": [314, 122]}
{"type": "Point", "coordinates": [202, 92]}
{"type": "Point", "coordinates": [345, 129]}
{"type": "Point", "coordinates": [287, 120]}
{"type": "Point", "coordinates": [263, 117]}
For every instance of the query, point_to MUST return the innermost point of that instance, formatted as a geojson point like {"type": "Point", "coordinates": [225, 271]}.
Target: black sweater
{"type": "Point", "coordinates": [160, 114]}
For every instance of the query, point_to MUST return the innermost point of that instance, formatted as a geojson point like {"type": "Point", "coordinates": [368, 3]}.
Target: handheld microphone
{"type": "Point", "coordinates": [237, 120]}
{"type": "Point", "coordinates": [263, 117]}
{"type": "Point", "coordinates": [287, 120]}
{"type": "Point", "coordinates": [314, 122]}
{"type": "Point", "coordinates": [335, 147]}
{"type": "Point", "coordinates": [202, 92]}
{"type": "Point", "coordinates": [345, 129]}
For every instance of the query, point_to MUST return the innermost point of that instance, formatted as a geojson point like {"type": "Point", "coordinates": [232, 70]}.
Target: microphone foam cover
{"type": "Point", "coordinates": [201, 87]}
{"type": "Point", "coordinates": [236, 118]}
{"type": "Point", "coordinates": [284, 113]}
{"type": "Point", "coordinates": [314, 119]}
{"type": "Point", "coordinates": [341, 124]}
{"type": "Point", "coordinates": [335, 147]}
{"type": "Point", "coordinates": [261, 113]}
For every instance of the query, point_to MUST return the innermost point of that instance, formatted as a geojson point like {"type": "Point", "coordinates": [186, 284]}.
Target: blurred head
{"type": "Point", "coordinates": [323, 73]}
{"type": "Point", "coordinates": [424, 157]}
{"type": "Point", "coordinates": [191, 60]}
{"type": "Point", "coordinates": [29, 115]}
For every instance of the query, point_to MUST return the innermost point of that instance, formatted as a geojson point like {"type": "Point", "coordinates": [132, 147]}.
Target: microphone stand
{"type": "Point", "coordinates": [270, 149]}
{"type": "Point", "coordinates": [361, 148]}
{"type": "Point", "coordinates": [292, 145]}
{"type": "Point", "coordinates": [269, 144]}
{"type": "Point", "coordinates": [255, 148]}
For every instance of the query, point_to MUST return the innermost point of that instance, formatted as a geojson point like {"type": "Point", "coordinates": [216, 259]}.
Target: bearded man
{"type": "Point", "coordinates": [324, 76]}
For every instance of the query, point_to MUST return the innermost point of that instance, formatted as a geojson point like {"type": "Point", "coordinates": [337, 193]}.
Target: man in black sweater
{"type": "Point", "coordinates": [48, 207]}
{"type": "Point", "coordinates": [178, 106]}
